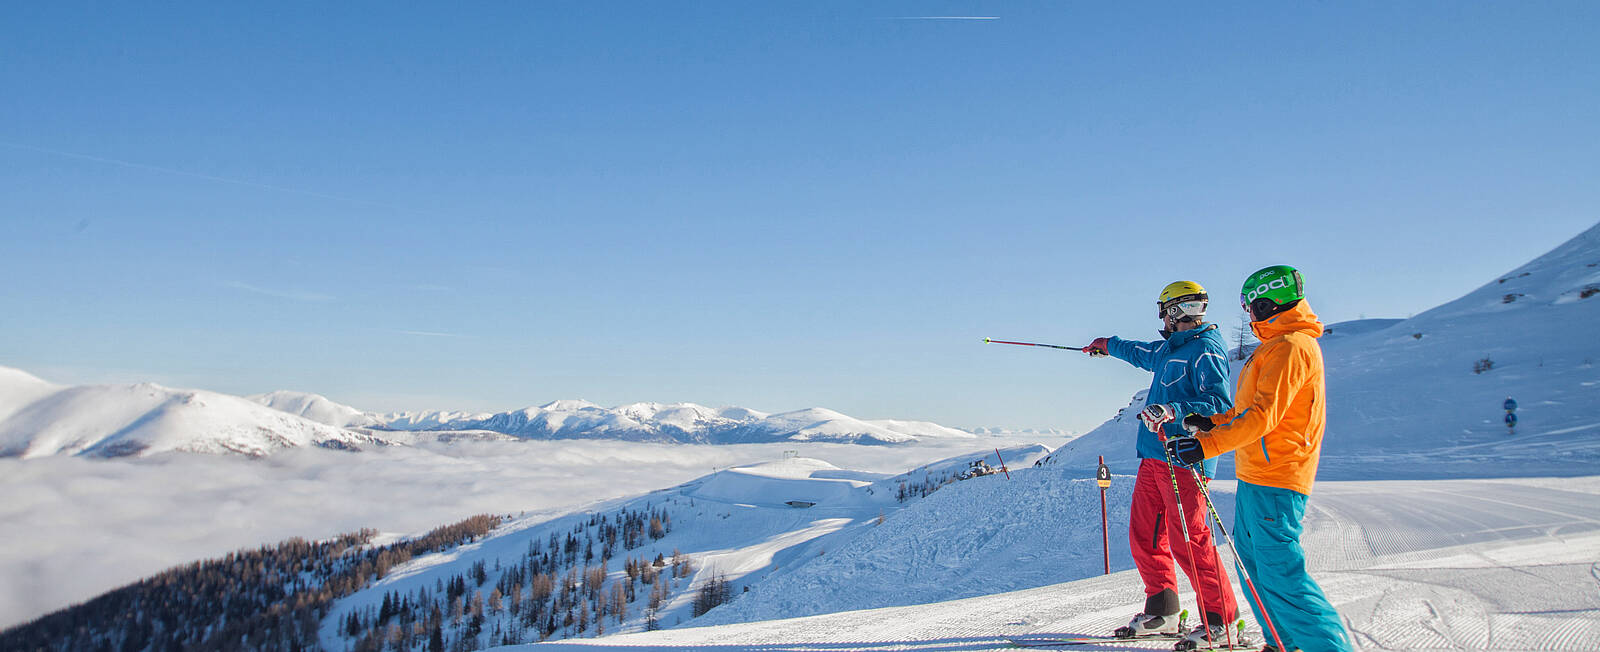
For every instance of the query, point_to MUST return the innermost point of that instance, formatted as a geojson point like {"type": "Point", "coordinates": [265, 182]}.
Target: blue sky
{"type": "Point", "coordinates": [775, 205]}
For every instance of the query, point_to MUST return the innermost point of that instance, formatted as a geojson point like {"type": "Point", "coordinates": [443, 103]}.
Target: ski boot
{"type": "Point", "coordinates": [1151, 625]}
{"type": "Point", "coordinates": [1161, 617]}
{"type": "Point", "coordinates": [1213, 637]}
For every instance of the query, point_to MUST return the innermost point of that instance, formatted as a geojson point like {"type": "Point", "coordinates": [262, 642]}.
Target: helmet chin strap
{"type": "Point", "coordinates": [1169, 329]}
{"type": "Point", "coordinates": [1264, 309]}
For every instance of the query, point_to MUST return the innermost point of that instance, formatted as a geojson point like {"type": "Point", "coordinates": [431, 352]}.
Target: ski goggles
{"type": "Point", "coordinates": [1182, 309]}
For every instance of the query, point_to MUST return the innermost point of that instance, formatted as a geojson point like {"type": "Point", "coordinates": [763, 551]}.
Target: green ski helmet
{"type": "Point", "coordinates": [1272, 290]}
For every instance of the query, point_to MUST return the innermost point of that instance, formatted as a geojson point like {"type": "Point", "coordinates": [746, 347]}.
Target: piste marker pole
{"type": "Point", "coordinates": [1102, 476]}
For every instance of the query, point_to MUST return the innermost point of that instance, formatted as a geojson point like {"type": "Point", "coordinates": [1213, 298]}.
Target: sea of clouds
{"type": "Point", "coordinates": [74, 528]}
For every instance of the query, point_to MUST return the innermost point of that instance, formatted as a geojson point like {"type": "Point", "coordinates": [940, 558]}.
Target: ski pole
{"type": "Point", "coordinates": [1048, 346]}
{"type": "Point", "coordinates": [1003, 468]}
{"type": "Point", "coordinates": [1239, 561]}
{"type": "Point", "coordinates": [1188, 543]}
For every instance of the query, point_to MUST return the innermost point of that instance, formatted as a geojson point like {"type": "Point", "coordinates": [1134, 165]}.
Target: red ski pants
{"type": "Point", "coordinates": [1155, 533]}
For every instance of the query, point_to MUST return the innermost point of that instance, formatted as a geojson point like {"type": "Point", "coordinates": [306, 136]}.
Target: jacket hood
{"type": "Point", "coordinates": [1297, 319]}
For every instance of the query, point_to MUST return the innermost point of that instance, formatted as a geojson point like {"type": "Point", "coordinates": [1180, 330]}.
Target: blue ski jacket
{"type": "Point", "coordinates": [1191, 375]}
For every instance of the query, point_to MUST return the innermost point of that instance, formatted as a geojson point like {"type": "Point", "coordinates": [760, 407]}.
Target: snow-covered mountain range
{"type": "Point", "coordinates": [40, 418]}
{"type": "Point", "coordinates": [645, 422]}
{"type": "Point", "coordinates": [674, 422]}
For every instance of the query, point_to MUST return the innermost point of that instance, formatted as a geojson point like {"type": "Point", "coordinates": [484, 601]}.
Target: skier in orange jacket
{"type": "Point", "coordinates": [1275, 431]}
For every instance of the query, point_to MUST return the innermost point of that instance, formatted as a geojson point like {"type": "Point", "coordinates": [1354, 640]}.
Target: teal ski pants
{"type": "Point", "coordinates": [1266, 524]}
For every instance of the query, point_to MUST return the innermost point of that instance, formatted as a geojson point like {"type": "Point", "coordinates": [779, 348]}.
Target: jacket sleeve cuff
{"type": "Point", "coordinates": [1117, 348]}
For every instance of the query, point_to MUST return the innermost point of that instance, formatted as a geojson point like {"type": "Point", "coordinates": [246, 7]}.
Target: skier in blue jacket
{"type": "Point", "coordinates": [1190, 364]}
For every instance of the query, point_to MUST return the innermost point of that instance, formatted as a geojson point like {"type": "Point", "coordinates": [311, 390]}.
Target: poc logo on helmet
{"type": "Point", "coordinates": [1275, 284]}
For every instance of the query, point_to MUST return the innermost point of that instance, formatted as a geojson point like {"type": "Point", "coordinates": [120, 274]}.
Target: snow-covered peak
{"type": "Point", "coordinates": [822, 424]}
{"type": "Point", "coordinates": [683, 415]}
{"type": "Point", "coordinates": [428, 419]}
{"type": "Point", "coordinates": [569, 405]}
{"type": "Point", "coordinates": [13, 379]}
{"type": "Point", "coordinates": [810, 414]}
{"type": "Point", "coordinates": [316, 408]}
{"type": "Point", "coordinates": [921, 429]}
{"type": "Point", "coordinates": [19, 388]}
{"type": "Point", "coordinates": [741, 414]}
{"type": "Point", "coordinates": [1012, 432]}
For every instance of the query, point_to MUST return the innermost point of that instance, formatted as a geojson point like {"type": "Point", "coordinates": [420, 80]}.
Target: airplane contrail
{"type": "Point", "coordinates": [315, 297]}
{"type": "Point", "coordinates": [427, 333]}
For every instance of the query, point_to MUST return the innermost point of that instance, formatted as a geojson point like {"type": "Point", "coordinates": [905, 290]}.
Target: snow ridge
{"type": "Point", "coordinates": [678, 423]}
{"type": "Point", "coordinates": [142, 419]}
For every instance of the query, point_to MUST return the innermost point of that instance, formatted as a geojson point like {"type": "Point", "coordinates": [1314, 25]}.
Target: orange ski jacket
{"type": "Point", "coordinates": [1280, 407]}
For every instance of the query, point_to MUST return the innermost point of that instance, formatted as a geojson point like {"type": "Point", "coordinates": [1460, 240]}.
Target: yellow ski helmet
{"type": "Point", "coordinates": [1179, 290]}
{"type": "Point", "coordinates": [1182, 300]}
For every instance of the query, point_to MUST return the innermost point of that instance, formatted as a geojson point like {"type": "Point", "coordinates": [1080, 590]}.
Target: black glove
{"type": "Point", "coordinates": [1186, 450]}
{"type": "Point", "coordinates": [1198, 423]}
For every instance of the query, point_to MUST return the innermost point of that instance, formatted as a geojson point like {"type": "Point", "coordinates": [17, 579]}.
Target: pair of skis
{"type": "Point", "coordinates": [1066, 641]}
{"type": "Point", "coordinates": [1071, 641]}
{"type": "Point", "coordinates": [1179, 643]}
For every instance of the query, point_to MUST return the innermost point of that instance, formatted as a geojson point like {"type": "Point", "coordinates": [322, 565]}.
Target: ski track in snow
{"type": "Point", "coordinates": [1412, 565]}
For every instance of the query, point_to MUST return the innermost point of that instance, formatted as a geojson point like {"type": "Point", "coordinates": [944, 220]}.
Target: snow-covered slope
{"type": "Point", "coordinates": [1458, 564]}
{"type": "Point", "coordinates": [316, 408]}
{"type": "Point", "coordinates": [1419, 575]}
{"type": "Point", "coordinates": [38, 419]}
{"type": "Point", "coordinates": [1344, 329]}
{"type": "Point", "coordinates": [1404, 400]}
{"type": "Point", "coordinates": [747, 524]}
{"type": "Point", "coordinates": [985, 535]}
{"type": "Point", "coordinates": [774, 484]}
